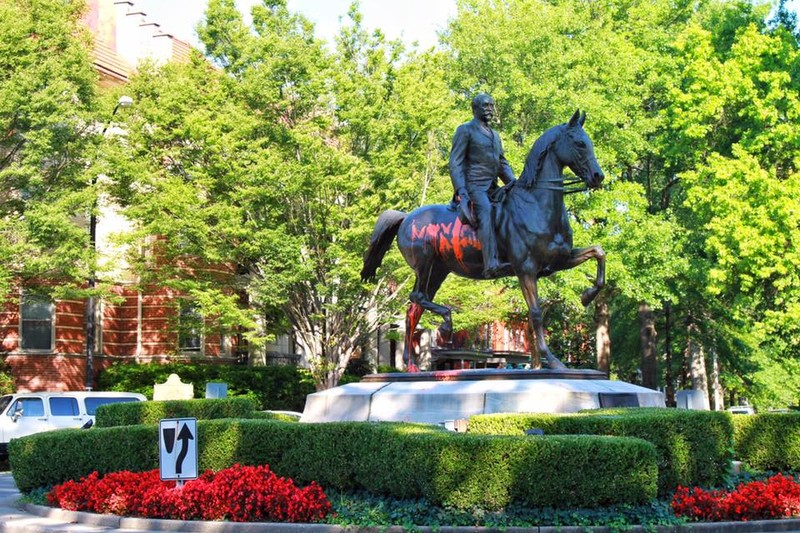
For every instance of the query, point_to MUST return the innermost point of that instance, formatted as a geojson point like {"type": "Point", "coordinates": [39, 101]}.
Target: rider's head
{"type": "Point", "coordinates": [483, 107]}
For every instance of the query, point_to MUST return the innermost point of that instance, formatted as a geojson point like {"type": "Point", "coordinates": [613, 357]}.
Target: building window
{"type": "Point", "coordinates": [37, 318]}
{"type": "Point", "coordinates": [190, 329]}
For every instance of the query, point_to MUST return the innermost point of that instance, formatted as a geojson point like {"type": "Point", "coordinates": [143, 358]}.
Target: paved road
{"type": "Point", "coordinates": [16, 518]}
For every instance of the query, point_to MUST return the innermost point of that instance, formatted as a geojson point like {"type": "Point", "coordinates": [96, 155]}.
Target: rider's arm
{"type": "Point", "coordinates": [458, 154]}
{"type": "Point", "coordinates": [505, 173]}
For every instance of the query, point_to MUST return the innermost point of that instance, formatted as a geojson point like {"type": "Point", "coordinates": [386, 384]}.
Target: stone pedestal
{"type": "Point", "coordinates": [441, 397]}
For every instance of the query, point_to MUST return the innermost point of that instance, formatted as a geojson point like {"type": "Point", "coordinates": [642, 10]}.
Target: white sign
{"type": "Point", "coordinates": [177, 448]}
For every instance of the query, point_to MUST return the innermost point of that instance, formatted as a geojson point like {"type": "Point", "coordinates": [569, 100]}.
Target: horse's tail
{"type": "Point", "coordinates": [382, 236]}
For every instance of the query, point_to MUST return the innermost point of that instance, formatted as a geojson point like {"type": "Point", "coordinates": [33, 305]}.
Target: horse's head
{"type": "Point", "coordinates": [574, 149]}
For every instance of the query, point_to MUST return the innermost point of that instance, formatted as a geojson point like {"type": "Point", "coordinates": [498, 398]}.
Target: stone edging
{"type": "Point", "coordinates": [197, 526]}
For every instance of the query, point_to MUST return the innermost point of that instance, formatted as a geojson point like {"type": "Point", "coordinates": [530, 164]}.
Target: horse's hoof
{"type": "Point", "coordinates": [589, 295]}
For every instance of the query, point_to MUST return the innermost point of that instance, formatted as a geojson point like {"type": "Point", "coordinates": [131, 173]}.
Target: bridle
{"type": "Point", "coordinates": [565, 186]}
{"type": "Point", "coordinates": [562, 185]}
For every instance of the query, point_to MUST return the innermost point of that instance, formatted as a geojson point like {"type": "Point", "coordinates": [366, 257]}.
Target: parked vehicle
{"type": "Point", "coordinates": [741, 410]}
{"type": "Point", "coordinates": [26, 413]}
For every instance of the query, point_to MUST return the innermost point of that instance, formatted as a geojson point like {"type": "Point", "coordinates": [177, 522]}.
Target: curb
{"type": "Point", "coordinates": [198, 526]}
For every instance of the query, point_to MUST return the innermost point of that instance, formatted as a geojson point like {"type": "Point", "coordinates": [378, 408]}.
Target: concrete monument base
{"type": "Point", "coordinates": [442, 397]}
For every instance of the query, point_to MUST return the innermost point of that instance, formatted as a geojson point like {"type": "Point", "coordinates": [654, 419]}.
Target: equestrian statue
{"type": "Point", "coordinates": [520, 229]}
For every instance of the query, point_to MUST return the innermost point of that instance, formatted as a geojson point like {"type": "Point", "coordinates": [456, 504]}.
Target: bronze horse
{"type": "Point", "coordinates": [533, 234]}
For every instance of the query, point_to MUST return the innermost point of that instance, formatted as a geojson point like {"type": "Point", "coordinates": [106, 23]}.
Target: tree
{"type": "Point", "coordinates": [272, 168]}
{"type": "Point", "coordinates": [48, 132]}
{"type": "Point", "coordinates": [732, 124]}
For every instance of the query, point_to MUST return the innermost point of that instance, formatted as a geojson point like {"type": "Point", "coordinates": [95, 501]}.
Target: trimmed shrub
{"type": "Point", "coordinates": [266, 415]}
{"type": "Point", "coordinates": [70, 454]}
{"type": "Point", "coordinates": [279, 387]}
{"type": "Point", "coordinates": [397, 460]}
{"type": "Point", "coordinates": [768, 441]}
{"type": "Point", "coordinates": [695, 448]}
{"type": "Point", "coordinates": [134, 413]}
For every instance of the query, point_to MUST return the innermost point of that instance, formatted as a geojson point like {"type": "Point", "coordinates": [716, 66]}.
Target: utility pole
{"type": "Point", "coordinates": [90, 319]}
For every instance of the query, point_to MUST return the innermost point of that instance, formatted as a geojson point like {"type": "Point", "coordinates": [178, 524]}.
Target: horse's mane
{"type": "Point", "coordinates": [536, 157]}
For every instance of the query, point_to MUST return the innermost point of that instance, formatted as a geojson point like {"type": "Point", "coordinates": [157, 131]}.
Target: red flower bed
{"type": "Point", "coordinates": [777, 497]}
{"type": "Point", "coordinates": [239, 493]}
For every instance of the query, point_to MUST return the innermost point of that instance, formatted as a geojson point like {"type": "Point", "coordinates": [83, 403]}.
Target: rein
{"type": "Point", "coordinates": [561, 185]}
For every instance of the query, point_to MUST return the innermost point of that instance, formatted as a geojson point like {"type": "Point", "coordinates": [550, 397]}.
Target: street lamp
{"type": "Point", "coordinates": [91, 306]}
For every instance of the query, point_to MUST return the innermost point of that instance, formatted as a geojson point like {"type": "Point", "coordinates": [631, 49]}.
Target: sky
{"type": "Point", "coordinates": [410, 20]}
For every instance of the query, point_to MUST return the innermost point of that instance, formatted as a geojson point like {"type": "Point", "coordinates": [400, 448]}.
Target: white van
{"type": "Point", "coordinates": [26, 413]}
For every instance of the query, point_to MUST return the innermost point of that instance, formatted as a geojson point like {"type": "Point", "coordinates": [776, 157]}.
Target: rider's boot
{"type": "Point", "coordinates": [492, 265]}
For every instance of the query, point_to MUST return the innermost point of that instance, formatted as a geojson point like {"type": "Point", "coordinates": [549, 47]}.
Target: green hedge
{"type": "Point", "coordinates": [133, 413]}
{"type": "Point", "coordinates": [279, 387]}
{"type": "Point", "coordinates": [283, 417]}
{"type": "Point", "coordinates": [768, 441]}
{"type": "Point", "coordinates": [695, 448]}
{"type": "Point", "coordinates": [398, 460]}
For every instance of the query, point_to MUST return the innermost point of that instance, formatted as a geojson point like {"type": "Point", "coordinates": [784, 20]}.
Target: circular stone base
{"type": "Point", "coordinates": [444, 396]}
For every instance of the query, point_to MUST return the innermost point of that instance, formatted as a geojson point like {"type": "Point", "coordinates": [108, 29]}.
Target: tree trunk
{"type": "Point", "coordinates": [697, 363]}
{"type": "Point", "coordinates": [718, 400]}
{"type": "Point", "coordinates": [647, 340]}
{"type": "Point", "coordinates": [603, 335]}
{"type": "Point", "coordinates": [668, 378]}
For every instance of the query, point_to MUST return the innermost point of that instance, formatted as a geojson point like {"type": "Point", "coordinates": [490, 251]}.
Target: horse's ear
{"type": "Point", "coordinates": [583, 119]}
{"type": "Point", "coordinates": [575, 118]}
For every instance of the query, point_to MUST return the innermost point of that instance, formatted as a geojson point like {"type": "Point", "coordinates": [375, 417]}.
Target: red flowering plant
{"type": "Point", "coordinates": [777, 497]}
{"type": "Point", "coordinates": [239, 493]}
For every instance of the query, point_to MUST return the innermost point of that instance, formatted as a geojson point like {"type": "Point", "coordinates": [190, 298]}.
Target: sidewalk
{"type": "Point", "coordinates": [18, 518]}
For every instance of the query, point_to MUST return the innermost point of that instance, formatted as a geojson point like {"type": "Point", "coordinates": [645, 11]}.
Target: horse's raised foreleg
{"type": "Point", "coordinates": [580, 255]}
{"type": "Point", "coordinates": [530, 290]}
{"type": "Point", "coordinates": [413, 313]}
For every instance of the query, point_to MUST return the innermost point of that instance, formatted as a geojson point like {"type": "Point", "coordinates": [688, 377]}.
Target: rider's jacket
{"type": "Point", "coordinates": [477, 159]}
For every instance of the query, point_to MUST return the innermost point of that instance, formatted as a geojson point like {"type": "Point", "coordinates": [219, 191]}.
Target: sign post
{"type": "Point", "coordinates": [177, 449]}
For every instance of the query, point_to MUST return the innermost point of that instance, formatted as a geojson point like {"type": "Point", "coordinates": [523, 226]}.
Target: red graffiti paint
{"type": "Point", "coordinates": [463, 237]}
{"type": "Point", "coordinates": [451, 239]}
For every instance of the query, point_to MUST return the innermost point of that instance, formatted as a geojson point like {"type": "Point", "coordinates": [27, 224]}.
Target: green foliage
{"type": "Point", "coordinates": [695, 448]}
{"type": "Point", "coordinates": [267, 415]}
{"type": "Point", "coordinates": [135, 413]}
{"type": "Point", "coordinates": [768, 441]}
{"type": "Point", "coordinates": [400, 460]}
{"type": "Point", "coordinates": [363, 509]}
{"type": "Point", "coordinates": [48, 138]}
{"type": "Point", "coordinates": [730, 131]}
{"type": "Point", "coordinates": [359, 367]}
{"type": "Point", "coordinates": [6, 378]}
{"type": "Point", "coordinates": [327, 136]}
{"type": "Point", "coordinates": [279, 387]}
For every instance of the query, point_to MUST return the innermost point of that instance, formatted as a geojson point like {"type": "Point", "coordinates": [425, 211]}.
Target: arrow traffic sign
{"type": "Point", "coordinates": [177, 457]}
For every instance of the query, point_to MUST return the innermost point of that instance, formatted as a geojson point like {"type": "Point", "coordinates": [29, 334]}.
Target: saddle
{"type": "Point", "coordinates": [496, 195]}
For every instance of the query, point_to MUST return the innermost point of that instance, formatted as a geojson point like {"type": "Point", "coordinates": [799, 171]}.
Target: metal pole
{"type": "Point", "coordinates": [90, 318]}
